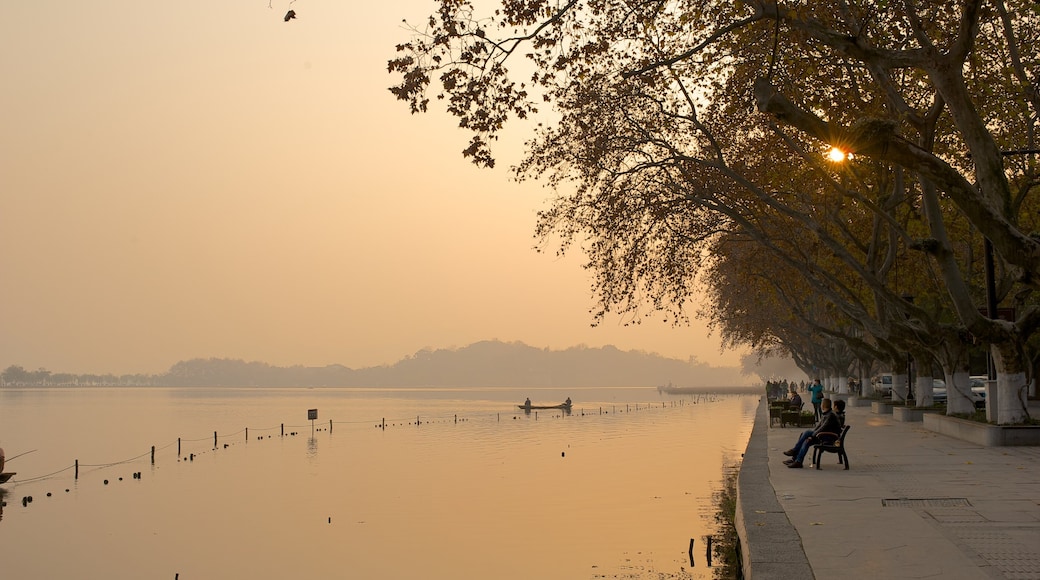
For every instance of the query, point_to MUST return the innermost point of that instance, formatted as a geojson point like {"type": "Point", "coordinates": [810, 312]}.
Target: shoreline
{"type": "Point", "coordinates": [769, 545]}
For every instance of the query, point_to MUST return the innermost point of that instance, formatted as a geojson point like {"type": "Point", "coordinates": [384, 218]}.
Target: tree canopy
{"type": "Point", "coordinates": [687, 149]}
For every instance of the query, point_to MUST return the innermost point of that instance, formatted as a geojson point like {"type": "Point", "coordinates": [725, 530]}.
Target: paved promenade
{"type": "Point", "coordinates": [915, 504]}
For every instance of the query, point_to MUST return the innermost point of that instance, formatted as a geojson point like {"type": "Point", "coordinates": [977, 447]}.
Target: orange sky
{"type": "Point", "coordinates": [202, 179]}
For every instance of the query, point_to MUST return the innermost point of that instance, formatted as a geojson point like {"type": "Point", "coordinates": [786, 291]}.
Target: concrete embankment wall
{"type": "Point", "coordinates": [770, 547]}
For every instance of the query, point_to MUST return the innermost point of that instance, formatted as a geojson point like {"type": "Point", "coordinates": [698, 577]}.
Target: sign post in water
{"type": "Point", "coordinates": [312, 414]}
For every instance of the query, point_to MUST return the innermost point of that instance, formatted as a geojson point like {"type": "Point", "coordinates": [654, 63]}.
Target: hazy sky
{"type": "Point", "coordinates": [201, 179]}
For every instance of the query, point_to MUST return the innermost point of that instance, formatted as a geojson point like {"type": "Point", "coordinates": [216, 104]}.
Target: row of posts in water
{"type": "Point", "coordinates": [215, 444]}
{"type": "Point", "coordinates": [382, 425]}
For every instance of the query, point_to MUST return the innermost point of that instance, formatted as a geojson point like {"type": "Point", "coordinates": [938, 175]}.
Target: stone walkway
{"type": "Point", "coordinates": [915, 504]}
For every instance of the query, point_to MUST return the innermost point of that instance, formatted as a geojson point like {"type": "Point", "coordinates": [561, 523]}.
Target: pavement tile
{"type": "Point", "coordinates": [914, 504]}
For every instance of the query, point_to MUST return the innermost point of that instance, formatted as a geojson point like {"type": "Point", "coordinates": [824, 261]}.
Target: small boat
{"type": "Point", "coordinates": [5, 476]}
{"type": "Point", "coordinates": [564, 406]}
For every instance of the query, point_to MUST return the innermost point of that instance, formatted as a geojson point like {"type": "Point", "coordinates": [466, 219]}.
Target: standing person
{"type": "Point", "coordinates": [826, 429]}
{"type": "Point", "coordinates": [817, 397]}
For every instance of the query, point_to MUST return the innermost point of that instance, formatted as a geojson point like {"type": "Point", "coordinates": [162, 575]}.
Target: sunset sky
{"type": "Point", "coordinates": [202, 179]}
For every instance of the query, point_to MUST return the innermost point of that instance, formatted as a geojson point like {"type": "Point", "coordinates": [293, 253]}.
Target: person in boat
{"type": "Point", "coordinates": [567, 402]}
{"type": "Point", "coordinates": [527, 403]}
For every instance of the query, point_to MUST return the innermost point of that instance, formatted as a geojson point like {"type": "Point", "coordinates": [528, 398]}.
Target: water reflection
{"type": "Point", "coordinates": [725, 547]}
{"type": "Point", "coordinates": [592, 495]}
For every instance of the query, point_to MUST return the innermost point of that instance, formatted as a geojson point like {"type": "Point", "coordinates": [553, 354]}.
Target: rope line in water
{"type": "Point", "coordinates": [410, 420]}
{"type": "Point", "coordinates": [42, 477]}
{"type": "Point", "coordinates": [167, 446]}
{"type": "Point", "coordinates": [115, 462]}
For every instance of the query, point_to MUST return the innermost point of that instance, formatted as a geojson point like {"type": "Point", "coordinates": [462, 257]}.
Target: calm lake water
{"type": "Point", "coordinates": [459, 484]}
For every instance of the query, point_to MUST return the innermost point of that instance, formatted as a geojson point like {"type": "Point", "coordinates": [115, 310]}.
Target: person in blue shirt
{"type": "Point", "coordinates": [817, 397]}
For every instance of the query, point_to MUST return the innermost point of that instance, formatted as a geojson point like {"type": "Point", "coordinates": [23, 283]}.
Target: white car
{"type": "Point", "coordinates": [978, 391]}
{"type": "Point", "coordinates": [938, 391]}
{"type": "Point", "coordinates": [882, 384]}
{"type": "Point", "coordinates": [978, 387]}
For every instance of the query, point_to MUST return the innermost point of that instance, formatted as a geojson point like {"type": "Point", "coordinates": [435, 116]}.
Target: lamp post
{"type": "Point", "coordinates": [909, 359]}
{"type": "Point", "coordinates": [991, 301]}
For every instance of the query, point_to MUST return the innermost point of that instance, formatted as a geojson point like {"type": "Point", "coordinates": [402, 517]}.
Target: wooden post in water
{"type": "Point", "coordinates": [330, 425]}
{"type": "Point", "coordinates": [77, 469]}
{"type": "Point", "coordinates": [214, 439]}
{"type": "Point", "coordinates": [384, 424]}
{"type": "Point", "coordinates": [691, 553]}
{"type": "Point", "coordinates": [707, 550]}
{"type": "Point", "coordinates": [153, 454]}
{"type": "Point", "coordinates": [283, 429]}
{"type": "Point", "coordinates": [178, 447]}
{"type": "Point", "coordinates": [247, 433]}
{"type": "Point", "coordinates": [456, 418]}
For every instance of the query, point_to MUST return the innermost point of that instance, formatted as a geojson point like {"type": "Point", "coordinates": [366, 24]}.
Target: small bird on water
{"type": "Point", "coordinates": [290, 15]}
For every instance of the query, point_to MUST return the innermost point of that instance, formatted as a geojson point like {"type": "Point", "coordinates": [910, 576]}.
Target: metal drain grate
{"type": "Point", "coordinates": [925, 502]}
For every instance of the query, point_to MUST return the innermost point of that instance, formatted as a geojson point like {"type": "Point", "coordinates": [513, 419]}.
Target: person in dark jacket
{"type": "Point", "coordinates": [795, 402]}
{"type": "Point", "coordinates": [826, 429]}
{"type": "Point", "coordinates": [839, 410]}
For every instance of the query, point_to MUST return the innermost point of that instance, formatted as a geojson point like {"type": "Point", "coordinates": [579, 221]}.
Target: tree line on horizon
{"type": "Point", "coordinates": [482, 364]}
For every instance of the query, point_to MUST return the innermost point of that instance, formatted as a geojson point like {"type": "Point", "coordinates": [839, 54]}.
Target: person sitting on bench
{"type": "Point", "coordinates": [795, 402]}
{"type": "Point", "coordinates": [827, 428]}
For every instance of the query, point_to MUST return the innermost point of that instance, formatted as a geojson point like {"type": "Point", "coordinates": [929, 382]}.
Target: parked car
{"type": "Point", "coordinates": [882, 384]}
{"type": "Point", "coordinates": [978, 392]}
{"type": "Point", "coordinates": [978, 386]}
{"type": "Point", "coordinates": [938, 391]}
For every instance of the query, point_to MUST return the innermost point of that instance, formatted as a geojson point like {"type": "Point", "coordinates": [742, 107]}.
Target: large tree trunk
{"type": "Point", "coordinates": [954, 356]}
{"type": "Point", "coordinates": [899, 387]}
{"type": "Point", "coordinates": [958, 392]}
{"type": "Point", "coordinates": [841, 384]}
{"type": "Point", "coordinates": [923, 391]}
{"type": "Point", "coordinates": [1009, 406]}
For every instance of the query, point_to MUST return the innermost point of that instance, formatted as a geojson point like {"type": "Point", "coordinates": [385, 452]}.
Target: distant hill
{"type": "Point", "coordinates": [482, 364]}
